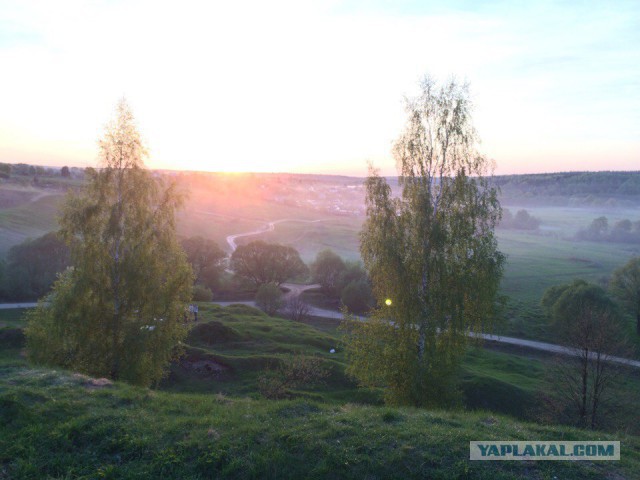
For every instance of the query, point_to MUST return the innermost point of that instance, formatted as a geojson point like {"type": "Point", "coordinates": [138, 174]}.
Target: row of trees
{"type": "Point", "coordinates": [542, 185]}
{"type": "Point", "coordinates": [32, 266]}
{"type": "Point", "coordinates": [22, 169]}
{"type": "Point", "coordinates": [522, 220]}
{"type": "Point", "coordinates": [623, 231]}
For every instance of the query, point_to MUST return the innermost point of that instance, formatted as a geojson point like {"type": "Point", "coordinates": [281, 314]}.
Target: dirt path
{"type": "Point", "coordinates": [269, 227]}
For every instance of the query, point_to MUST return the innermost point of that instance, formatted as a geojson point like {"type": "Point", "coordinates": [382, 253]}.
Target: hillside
{"type": "Point", "coordinates": [609, 189]}
{"type": "Point", "coordinates": [213, 422]}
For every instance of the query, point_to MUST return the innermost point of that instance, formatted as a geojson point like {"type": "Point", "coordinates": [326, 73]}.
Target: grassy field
{"type": "Point", "coordinates": [215, 424]}
{"type": "Point", "coordinates": [32, 217]}
{"type": "Point", "coordinates": [12, 317]}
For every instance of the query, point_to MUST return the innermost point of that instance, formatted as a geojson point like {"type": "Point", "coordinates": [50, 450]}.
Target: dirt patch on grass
{"type": "Point", "coordinates": [204, 366]}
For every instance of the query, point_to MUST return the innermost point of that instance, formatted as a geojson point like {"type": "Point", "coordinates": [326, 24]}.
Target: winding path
{"type": "Point", "coordinates": [269, 227]}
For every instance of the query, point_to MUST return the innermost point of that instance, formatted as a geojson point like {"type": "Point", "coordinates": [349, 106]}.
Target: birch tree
{"type": "Point", "coordinates": [431, 253]}
{"type": "Point", "coordinates": [118, 311]}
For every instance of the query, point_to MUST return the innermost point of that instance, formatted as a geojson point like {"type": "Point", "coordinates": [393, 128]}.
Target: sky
{"type": "Point", "coordinates": [318, 87]}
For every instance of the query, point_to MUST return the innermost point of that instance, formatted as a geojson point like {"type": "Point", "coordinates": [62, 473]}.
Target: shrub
{"type": "Point", "coordinates": [269, 298]}
{"type": "Point", "coordinates": [202, 294]}
{"type": "Point", "coordinates": [356, 296]}
{"type": "Point", "coordinates": [296, 371]}
{"type": "Point", "coordinates": [295, 309]}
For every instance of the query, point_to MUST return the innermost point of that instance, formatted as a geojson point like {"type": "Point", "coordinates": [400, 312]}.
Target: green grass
{"type": "Point", "coordinates": [12, 317]}
{"type": "Point", "coordinates": [54, 424]}
{"type": "Point", "coordinates": [28, 220]}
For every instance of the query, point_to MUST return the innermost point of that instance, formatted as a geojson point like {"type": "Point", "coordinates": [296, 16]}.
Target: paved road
{"type": "Point", "coordinates": [7, 306]}
{"type": "Point", "coordinates": [295, 289]}
{"type": "Point", "coordinates": [313, 311]}
{"type": "Point", "coordinates": [548, 347]}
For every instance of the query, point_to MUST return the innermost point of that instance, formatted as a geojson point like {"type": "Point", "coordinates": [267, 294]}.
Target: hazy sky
{"type": "Point", "coordinates": [311, 86]}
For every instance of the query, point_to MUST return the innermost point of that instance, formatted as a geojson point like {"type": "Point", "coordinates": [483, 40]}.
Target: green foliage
{"type": "Point", "coordinates": [625, 285]}
{"type": "Point", "coordinates": [269, 298]}
{"type": "Point", "coordinates": [327, 270]}
{"type": "Point", "coordinates": [64, 172]}
{"type": "Point", "coordinates": [32, 267]}
{"type": "Point", "coordinates": [432, 252]}
{"type": "Point", "coordinates": [212, 333]}
{"type": "Point", "coordinates": [587, 321]}
{"type": "Point", "coordinates": [207, 261]}
{"type": "Point", "coordinates": [118, 313]}
{"type": "Point", "coordinates": [346, 281]}
{"type": "Point", "coordinates": [556, 188]}
{"type": "Point", "coordinates": [261, 262]}
{"type": "Point", "coordinates": [295, 371]}
{"type": "Point", "coordinates": [356, 296]}
{"type": "Point", "coordinates": [552, 295]}
{"type": "Point", "coordinates": [623, 231]}
{"type": "Point", "coordinates": [201, 294]}
{"type": "Point", "coordinates": [576, 303]}
{"type": "Point", "coordinates": [521, 221]}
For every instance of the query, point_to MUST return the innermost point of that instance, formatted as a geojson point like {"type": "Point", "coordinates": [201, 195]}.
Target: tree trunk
{"type": "Point", "coordinates": [585, 377]}
{"type": "Point", "coordinates": [422, 340]}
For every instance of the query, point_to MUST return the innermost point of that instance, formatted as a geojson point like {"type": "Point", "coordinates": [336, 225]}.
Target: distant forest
{"type": "Point", "coordinates": [573, 188]}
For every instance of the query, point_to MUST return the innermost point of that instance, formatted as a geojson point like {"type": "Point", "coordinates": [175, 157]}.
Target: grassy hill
{"type": "Point", "coordinates": [213, 422]}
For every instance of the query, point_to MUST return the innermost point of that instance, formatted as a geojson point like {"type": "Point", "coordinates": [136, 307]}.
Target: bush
{"type": "Point", "coordinates": [295, 309]}
{"type": "Point", "coordinates": [269, 298]}
{"type": "Point", "coordinates": [357, 297]}
{"type": "Point", "coordinates": [295, 372]}
{"type": "Point", "coordinates": [33, 265]}
{"type": "Point", "coordinates": [202, 294]}
{"type": "Point", "coordinates": [521, 221]}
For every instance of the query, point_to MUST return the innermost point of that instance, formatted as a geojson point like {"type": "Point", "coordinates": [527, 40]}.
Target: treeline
{"type": "Point", "coordinates": [623, 231]}
{"type": "Point", "coordinates": [522, 220]}
{"type": "Point", "coordinates": [571, 188]}
{"type": "Point", "coordinates": [571, 183]}
{"type": "Point", "coordinates": [265, 267]}
{"type": "Point", "coordinates": [12, 170]}
{"type": "Point", "coordinates": [31, 268]}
